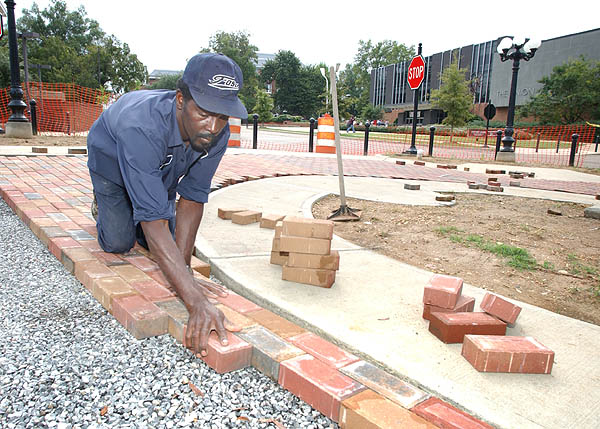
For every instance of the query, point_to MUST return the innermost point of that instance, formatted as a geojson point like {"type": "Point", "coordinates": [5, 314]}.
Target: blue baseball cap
{"type": "Point", "coordinates": [215, 81]}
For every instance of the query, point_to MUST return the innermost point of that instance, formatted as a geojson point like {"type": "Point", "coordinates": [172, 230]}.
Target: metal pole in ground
{"type": "Point", "coordinates": [498, 141]}
{"type": "Point", "coordinates": [311, 134]}
{"type": "Point", "coordinates": [431, 137]}
{"type": "Point", "coordinates": [344, 213]}
{"type": "Point", "coordinates": [537, 143]}
{"type": "Point", "coordinates": [367, 127]}
{"type": "Point", "coordinates": [255, 132]}
{"type": "Point", "coordinates": [574, 139]}
{"type": "Point", "coordinates": [34, 126]}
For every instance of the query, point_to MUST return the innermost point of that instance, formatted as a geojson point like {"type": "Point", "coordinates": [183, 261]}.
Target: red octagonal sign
{"type": "Point", "coordinates": [416, 72]}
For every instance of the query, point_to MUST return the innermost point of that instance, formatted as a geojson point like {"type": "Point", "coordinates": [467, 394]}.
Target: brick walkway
{"type": "Point", "coordinates": [52, 196]}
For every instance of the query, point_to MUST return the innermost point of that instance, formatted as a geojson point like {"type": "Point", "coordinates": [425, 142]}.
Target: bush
{"type": "Point", "coordinates": [287, 118]}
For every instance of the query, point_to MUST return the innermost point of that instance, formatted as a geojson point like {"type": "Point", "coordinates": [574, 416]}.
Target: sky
{"type": "Point", "coordinates": [165, 34]}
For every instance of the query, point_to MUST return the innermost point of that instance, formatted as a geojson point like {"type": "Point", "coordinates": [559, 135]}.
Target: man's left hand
{"type": "Point", "coordinates": [210, 289]}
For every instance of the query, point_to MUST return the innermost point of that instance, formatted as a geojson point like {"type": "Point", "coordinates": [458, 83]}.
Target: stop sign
{"type": "Point", "coordinates": [416, 72]}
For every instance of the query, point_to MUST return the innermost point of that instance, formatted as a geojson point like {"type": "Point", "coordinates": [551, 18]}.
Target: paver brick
{"type": "Point", "coordinates": [443, 291]}
{"type": "Point", "coordinates": [452, 327]}
{"type": "Point", "coordinates": [492, 353]}
{"type": "Point", "coordinates": [246, 218]}
{"type": "Point", "coordinates": [140, 317]}
{"type": "Point", "coordinates": [311, 276]}
{"type": "Point", "coordinates": [57, 244]}
{"type": "Point", "coordinates": [143, 263]}
{"type": "Point", "coordinates": [236, 318]}
{"type": "Point", "coordinates": [106, 289]}
{"type": "Point", "coordinates": [445, 416]}
{"type": "Point", "coordinates": [393, 388]}
{"type": "Point", "coordinates": [178, 317]}
{"type": "Point", "coordinates": [304, 260]}
{"type": "Point", "coordinates": [463, 305]}
{"type": "Point", "coordinates": [278, 229]}
{"type": "Point", "coordinates": [88, 271]}
{"type": "Point", "coordinates": [276, 324]}
{"type": "Point", "coordinates": [323, 350]}
{"type": "Point", "coordinates": [293, 244]}
{"type": "Point", "coordinates": [110, 259]}
{"type": "Point", "coordinates": [236, 355]}
{"type": "Point", "coordinates": [200, 266]}
{"type": "Point", "coordinates": [369, 410]}
{"type": "Point", "coordinates": [276, 246]}
{"type": "Point", "coordinates": [445, 198]}
{"type": "Point", "coordinates": [501, 308]}
{"type": "Point", "coordinates": [130, 273]}
{"type": "Point", "coordinates": [74, 255]}
{"type": "Point", "coordinates": [270, 220]}
{"type": "Point", "coordinates": [308, 228]}
{"type": "Point", "coordinates": [239, 303]}
{"type": "Point", "coordinates": [152, 290]}
{"type": "Point", "coordinates": [269, 350]}
{"type": "Point", "coordinates": [318, 384]}
{"type": "Point", "coordinates": [412, 187]}
{"type": "Point", "coordinates": [279, 258]}
{"type": "Point", "coordinates": [225, 213]}
{"type": "Point", "coordinates": [49, 232]}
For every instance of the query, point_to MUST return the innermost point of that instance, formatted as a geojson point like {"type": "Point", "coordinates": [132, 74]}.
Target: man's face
{"type": "Point", "coordinates": [199, 127]}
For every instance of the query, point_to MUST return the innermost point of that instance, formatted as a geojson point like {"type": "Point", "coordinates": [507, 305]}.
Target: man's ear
{"type": "Point", "coordinates": [179, 100]}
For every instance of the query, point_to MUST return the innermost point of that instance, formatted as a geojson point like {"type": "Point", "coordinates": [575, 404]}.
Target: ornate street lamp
{"type": "Point", "coordinates": [516, 49]}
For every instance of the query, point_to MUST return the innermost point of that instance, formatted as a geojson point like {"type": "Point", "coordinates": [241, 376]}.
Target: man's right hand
{"type": "Point", "coordinates": [204, 318]}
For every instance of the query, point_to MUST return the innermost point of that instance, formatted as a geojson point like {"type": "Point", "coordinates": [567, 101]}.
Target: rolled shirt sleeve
{"type": "Point", "coordinates": [139, 161]}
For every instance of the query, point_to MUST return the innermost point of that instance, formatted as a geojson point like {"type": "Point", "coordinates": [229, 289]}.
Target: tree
{"type": "Point", "coordinates": [264, 106]}
{"type": "Point", "coordinates": [78, 50]}
{"type": "Point", "coordinates": [237, 46]}
{"type": "Point", "coordinates": [166, 82]}
{"type": "Point", "coordinates": [454, 96]}
{"type": "Point", "coordinates": [569, 95]}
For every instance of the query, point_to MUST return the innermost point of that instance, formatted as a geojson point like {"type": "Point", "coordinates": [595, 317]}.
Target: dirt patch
{"type": "Point", "coordinates": [505, 244]}
{"type": "Point", "coordinates": [44, 141]}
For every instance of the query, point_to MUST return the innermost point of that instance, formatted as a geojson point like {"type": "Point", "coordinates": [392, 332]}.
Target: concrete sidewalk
{"type": "Point", "coordinates": [374, 308]}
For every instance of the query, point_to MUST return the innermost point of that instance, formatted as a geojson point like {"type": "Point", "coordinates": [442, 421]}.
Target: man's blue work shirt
{"type": "Point", "coordinates": [136, 144]}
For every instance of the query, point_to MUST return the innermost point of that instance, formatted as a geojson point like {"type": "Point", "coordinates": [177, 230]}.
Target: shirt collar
{"type": "Point", "coordinates": [175, 139]}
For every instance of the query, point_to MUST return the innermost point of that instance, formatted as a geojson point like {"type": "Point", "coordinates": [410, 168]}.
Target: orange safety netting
{"type": "Point", "coordinates": [61, 107]}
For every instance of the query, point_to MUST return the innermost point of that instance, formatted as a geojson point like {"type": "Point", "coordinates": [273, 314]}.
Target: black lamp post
{"type": "Point", "coordinates": [18, 125]}
{"type": "Point", "coordinates": [516, 49]}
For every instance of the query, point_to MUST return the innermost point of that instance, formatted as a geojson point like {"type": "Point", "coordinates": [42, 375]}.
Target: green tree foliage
{"type": "Point", "coordinates": [371, 112]}
{"type": "Point", "coordinates": [299, 89]}
{"type": "Point", "coordinates": [356, 78]}
{"type": "Point", "coordinates": [237, 46]}
{"type": "Point", "coordinates": [264, 106]}
{"type": "Point", "coordinates": [454, 96]}
{"type": "Point", "coordinates": [166, 82]}
{"type": "Point", "coordinates": [77, 49]}
{"type": "Point", "coordinates": [569, 95]}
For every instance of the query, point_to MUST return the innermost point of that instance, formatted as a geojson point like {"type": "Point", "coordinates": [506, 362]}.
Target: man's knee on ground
{"type": "Point", "coordinates": [117, 246]}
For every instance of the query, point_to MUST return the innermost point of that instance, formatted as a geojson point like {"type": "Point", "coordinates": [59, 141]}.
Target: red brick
{"type": "Point", "coordinates": [446, 416]}
{"type": "Point", "coordinates": [200, 266]}
{"type": "Point", "coordinates": [140, 317]}
{"type": "Point", "coordinates": [236, 355]}
{"type": "Point", "coordinates": [318, 384]}
{"type": "Point", "coordinates": [152, 290]}
{"type": "Point", "coordinates": [245, 218]}
{"type": "Point", "coordinates": [130, 273]}
{"type": "Point", "coordinates": [321, 278]}
{"type": "Point", "coordinates": [57, 244]}
{"type": "Point", "coordinates": [452, 327]}
{"type": "Point", "coordinates": [178, 317]}
{"type": "Point", "coordinates": [279, 258]}
{"type": "Point", "coordinates": [464, 304]}
{"type": "Point", "coordinates": [501, 308]}
{"type": "Point", "coordinates": [491, 353]}
{"type": "Point", "coordinates": [292, 244]}
{"type": "Point", "coordinates": [443, 291]}
{"type": "Point", "coordinates": [323, 350]}
{"type": "Point", "coordinates": [88, 271]}
{"type": "Point", "coordinates": [304, 260]}
{"type": "Point", "coordinates": [143, 263]}
{"type": "Point", "coordinates": [278, 229]}
{"type": "Point", "coordinates": [238, 303]}
{"type": "Point", "coordinates": [160, 278]}
{"type": "Point", "coordinates": [420, 163]}
{"type": "Point", "coordinates": [308, 228]}
{"type": "Point", "coordinates": [270, 220]}
{"type": "Point", "coordinates": [276, 324]}
{"type": "Point", "coordinates": [110, 259]}
{"type": "Point", "coordinates": [75, 255]}
{"type": "Point", "coordinates": [369, 410]}
{"type": "Point", "coordinates": [226, 213]}
{"type": "Point", "coordinates": [106, 289]}
{"type": "Point", "coordinates": [236, 318]}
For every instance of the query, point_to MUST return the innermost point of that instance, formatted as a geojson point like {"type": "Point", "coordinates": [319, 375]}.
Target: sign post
{"type": "Point", "coordinates": [416, 74]}
{"type": "Point", "coordinates": [489, 112]}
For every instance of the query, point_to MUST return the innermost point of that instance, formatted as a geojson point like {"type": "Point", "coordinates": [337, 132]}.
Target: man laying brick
{"type": "Point", "coordinates": [150, 146]}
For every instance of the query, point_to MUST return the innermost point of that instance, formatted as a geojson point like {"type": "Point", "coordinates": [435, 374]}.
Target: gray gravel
{"type": "Point", "coordinates": [64, 359]}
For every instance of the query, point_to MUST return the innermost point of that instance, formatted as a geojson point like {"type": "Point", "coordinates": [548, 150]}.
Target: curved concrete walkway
{"type": "Point", "coordinates": [374, 308]}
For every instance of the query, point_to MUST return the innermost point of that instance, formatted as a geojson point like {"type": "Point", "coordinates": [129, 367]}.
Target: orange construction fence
{"type": "Point", "coordinates": [61, 107]}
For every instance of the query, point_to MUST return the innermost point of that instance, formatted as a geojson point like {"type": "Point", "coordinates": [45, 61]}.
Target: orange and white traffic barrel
{"type": "Point", "coordinates": [326, 135]}
{"type": "Point", "coordinates": [235, 130]}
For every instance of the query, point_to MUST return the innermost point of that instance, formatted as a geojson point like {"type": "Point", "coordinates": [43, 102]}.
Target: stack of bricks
{"type": "Point", "coordinates": [483, 334]}
{"type": "Point", "coordinates": [303, 248]}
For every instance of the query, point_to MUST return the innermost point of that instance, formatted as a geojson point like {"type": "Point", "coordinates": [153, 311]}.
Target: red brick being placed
{"type": "Point", "coordinates": [236, 355]}
{"type": "Point", "coordinates": [140, 317]}
{"type": "Point", "coordinates": [500, 308]}
{"type": "Point", "coordinates": [492, 353]}
{"type": "Point", "coordinates": [309, 228]}
{"type": "Point", "coordinates": [314, 246]}
{"type": "Point", "coordinates": [326, 262]}
{"type": "Point", "coordinates": [226, 213]}
{"type": "Point", "coordinates": [452, 327]}
{"type": "Point", "coordinates": [444, 415]}
{"type": "Point", "coordinates": [246, 218]}
{"type": "Point", "coordinates": [443, 291]}
{"type": "Point", "coordinates": [311, 276]}
{"type": "Point", "coordinates": [463, 305]}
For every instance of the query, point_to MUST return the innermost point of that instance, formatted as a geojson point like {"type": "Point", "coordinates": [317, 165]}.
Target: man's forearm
{"type": "Point", "coordinates": [188, 217]}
